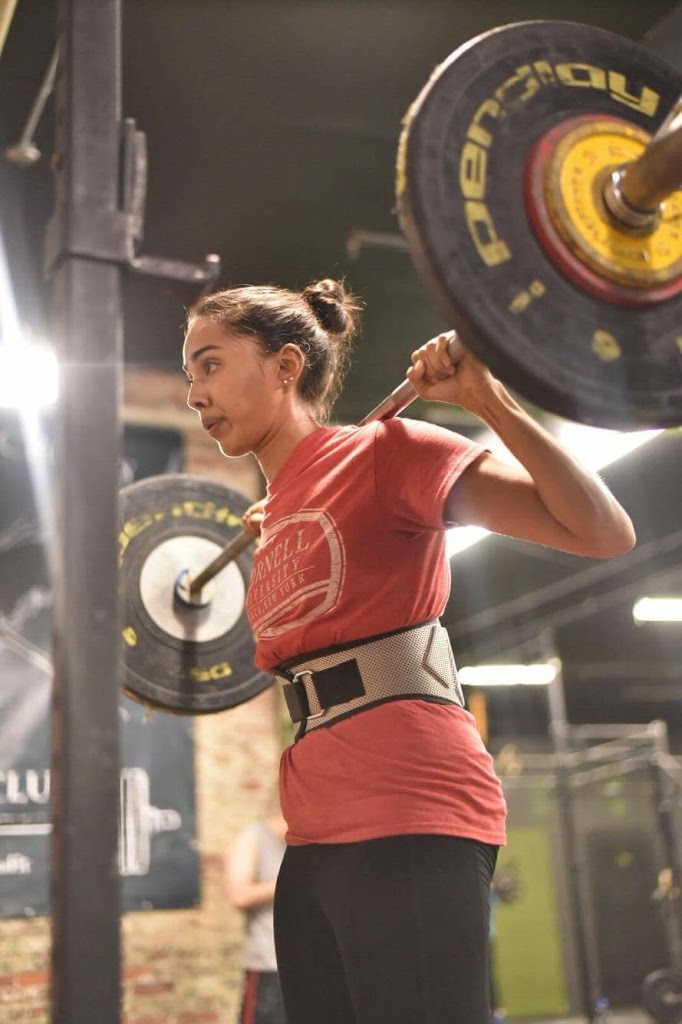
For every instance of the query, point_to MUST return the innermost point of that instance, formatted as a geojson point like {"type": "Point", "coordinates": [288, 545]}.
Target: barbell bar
{"type": "Point", "coordinates": [642, 186]}
{"type": "Point", "coordinates": [192, 588]}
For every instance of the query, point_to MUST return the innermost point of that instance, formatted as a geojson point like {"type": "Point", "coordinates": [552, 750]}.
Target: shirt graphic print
{"type": "Point", "coordinates": [298, 575]}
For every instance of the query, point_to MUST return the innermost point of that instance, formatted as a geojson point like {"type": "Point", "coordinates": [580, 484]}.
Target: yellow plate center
{"type": "Point", "coordinates": [574, 184]}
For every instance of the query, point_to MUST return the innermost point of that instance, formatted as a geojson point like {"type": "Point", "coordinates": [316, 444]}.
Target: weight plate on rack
{"type": "Point", "coordinates": [175, 656]}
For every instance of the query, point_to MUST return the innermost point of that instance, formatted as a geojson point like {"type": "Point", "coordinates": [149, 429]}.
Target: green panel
{"type": "Point", "coordinates": [528, 959]}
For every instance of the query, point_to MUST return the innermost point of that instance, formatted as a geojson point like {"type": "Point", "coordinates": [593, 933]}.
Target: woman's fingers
{"type": "Point", "coordinates": [442, 343]}
{"type": "Point", "coordinates": [253, 518]}
{"type": "Point", "coordinates": [432, 361]}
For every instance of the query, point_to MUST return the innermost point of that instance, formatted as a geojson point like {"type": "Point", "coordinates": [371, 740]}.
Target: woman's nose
{"type": "Point", "coordinates": [195, 399]}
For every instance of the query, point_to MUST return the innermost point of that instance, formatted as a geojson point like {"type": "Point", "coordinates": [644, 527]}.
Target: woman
{"type": "Point", "coordinates": [394, 812]}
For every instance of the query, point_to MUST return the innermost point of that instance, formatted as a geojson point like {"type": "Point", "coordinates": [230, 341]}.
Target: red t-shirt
{"type": "Point", "coordinates": [353, 545]}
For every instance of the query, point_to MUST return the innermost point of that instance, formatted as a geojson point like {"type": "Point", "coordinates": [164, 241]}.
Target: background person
{"type": "Point", "coordinates": [251, 866]}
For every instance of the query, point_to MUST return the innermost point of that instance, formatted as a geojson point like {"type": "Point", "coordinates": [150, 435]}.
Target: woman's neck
{"type": "Point", "coordinates": [278, 447]}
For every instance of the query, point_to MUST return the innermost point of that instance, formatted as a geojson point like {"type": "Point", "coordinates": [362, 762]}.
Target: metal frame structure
{"type": "Point", "coordinates": [588, 754]}
{"type": "Point", "coordinates": [100, 190]}
{"type": "Point", "coordinates": [85, 249]}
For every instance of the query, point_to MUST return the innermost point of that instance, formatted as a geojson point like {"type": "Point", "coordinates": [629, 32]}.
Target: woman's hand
{"type": "Point", "coordinates": [436, 378]}
{"type": "Point", "coordinates": [253, 518]}
{"type": "Point", "coordinates": [550, 498]}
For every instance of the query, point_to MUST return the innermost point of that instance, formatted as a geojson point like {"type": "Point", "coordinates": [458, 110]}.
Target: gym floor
{"type": "Point", "coordinates": [617, 1017]}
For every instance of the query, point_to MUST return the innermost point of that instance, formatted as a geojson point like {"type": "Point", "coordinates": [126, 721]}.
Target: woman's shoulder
{"type": "Point", "coordinates": [401, 430]}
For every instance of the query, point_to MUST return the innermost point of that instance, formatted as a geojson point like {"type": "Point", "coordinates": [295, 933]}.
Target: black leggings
{"type": "Point", "coordinates": [387, 931]}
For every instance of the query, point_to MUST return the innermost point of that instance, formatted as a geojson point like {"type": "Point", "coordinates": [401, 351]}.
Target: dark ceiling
{"type": "Point", "coordinates": [272, 130]}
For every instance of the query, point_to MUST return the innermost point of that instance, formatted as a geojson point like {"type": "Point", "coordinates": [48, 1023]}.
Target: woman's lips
{"type": "Point", "coordinates": [211, 425]}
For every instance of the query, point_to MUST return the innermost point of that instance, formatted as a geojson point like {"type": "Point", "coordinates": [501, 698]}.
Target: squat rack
{"type": "Point", "coordinates": [100, 183]}
{"type": "Point", "coordinates": [85, 248]}
{"type": "Point", "coordinates": [588, 754]}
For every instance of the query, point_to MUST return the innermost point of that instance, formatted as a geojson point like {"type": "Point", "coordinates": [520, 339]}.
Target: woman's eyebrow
{"type": "Point", "coordinates": [199, 352]}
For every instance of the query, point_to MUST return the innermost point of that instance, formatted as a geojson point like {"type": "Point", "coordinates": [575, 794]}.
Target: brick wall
{"type": "Point", "coordinates": [182, 966]}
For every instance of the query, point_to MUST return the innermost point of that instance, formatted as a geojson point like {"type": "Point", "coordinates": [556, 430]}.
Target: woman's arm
{"type": "Point", "coordinates": [240, 869]}
{"type": "Point", "coordinates": [552, 500]}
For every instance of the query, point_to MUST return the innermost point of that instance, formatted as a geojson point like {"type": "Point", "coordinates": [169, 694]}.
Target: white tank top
{"type": "Point", "coordinates": [258, 951]}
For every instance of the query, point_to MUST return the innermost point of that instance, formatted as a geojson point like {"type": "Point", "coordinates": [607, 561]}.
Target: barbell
{"type": "Point", "coordinates": [538, 185]}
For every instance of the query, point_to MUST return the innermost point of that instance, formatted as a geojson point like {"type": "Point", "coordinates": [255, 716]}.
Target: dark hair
{"type": "Point", "coordinates": [321, 320]}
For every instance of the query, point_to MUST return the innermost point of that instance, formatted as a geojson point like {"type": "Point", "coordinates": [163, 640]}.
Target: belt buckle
{"type": "Point", "coordinates": [297, 676]}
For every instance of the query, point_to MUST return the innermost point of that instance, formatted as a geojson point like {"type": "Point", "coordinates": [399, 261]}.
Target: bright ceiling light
{"type": "Point", "coordinates": [596, 448]}
{"type": "Point", "coordinates": [28, 380]}
{"type": "Point", "coordinates": [658, 609]}
{"type": "Point", "coordinates": [593, 447]}
{"type": "Point", "coordinates": [28, 375]}
{"type": "Point", "coordinates": [508, 675]}
{"type": "Point", "coordinates": [463, 537]}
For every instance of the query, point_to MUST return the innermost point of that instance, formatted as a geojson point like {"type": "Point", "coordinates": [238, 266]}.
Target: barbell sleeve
{"type": "Point", "coordinates": [640, 187]}
{"type": "Point", "coordinates": [228, 554]}
{"type": "Point", "coordinates": [399, 398]}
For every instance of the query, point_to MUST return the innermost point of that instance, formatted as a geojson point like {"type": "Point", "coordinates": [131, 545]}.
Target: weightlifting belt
{"type": "Point", "coordinates": [327, 685]}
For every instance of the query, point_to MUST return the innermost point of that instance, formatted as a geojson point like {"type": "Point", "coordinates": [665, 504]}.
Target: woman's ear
{"type": "Point", "coordinates": [291, 363]}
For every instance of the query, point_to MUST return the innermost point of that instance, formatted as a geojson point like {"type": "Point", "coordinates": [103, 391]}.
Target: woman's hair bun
{"type": "Point", "coordinates": [334, 308]}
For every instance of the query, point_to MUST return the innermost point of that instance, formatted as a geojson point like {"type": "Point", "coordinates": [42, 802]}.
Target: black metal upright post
{"type": "Point", "coordinates": [667, 799]}
{"type": "Point", "coordinates": [86, 245]}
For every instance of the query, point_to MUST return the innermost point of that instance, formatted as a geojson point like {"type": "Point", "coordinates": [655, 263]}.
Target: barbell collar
{"type": "Point", "coordinates": [200, 598]}
{"type": "Point", "coordinates": [643, 185]}
{"type": "Point", "coordinates": [621, 210]}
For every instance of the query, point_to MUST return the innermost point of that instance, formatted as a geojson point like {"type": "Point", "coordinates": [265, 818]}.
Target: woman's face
{"type": "Point", "coordinates": [233, 386]}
